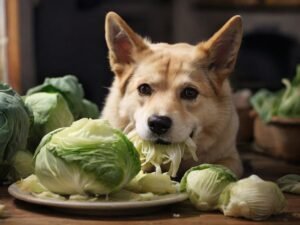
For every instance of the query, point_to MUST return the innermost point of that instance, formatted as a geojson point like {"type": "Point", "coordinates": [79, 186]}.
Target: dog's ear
{"type": "Point", "coordinates": [121, 40]}
{"type": "Point", "coordinates": [222, 49]}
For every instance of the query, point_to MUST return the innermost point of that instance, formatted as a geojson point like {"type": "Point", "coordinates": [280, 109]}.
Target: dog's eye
{"type": "Point", "coordinates": [145, 89]}
{"type": "Point", "coordinates": [189, 93]}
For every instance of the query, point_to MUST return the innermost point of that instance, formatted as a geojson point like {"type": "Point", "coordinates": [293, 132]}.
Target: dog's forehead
{"type": "Point", "coordinates": [169, 60]}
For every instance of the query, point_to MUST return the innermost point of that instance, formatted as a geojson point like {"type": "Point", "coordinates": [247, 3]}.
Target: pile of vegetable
{"type": "Point", "coordinates": [214, 187]}
{"type": "Point", "coordinates": [78, 157]}
{"type": "Point", "coordinates": [90, 159]}
{"type": "Point", "coordinates": [283, 103]}
{"type": "Point", "coordinates": [25, 120]}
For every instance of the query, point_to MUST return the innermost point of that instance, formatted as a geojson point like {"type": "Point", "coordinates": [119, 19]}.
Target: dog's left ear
{"type": "Point", "coordinates": [222, 49]}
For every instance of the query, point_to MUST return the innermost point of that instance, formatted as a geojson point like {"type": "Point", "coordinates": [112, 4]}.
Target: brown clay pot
{"type": "Point", "coordinates": [279, 138]}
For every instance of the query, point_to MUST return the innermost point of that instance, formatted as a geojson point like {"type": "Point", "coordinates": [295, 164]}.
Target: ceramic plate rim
{"type": "Point", "coordinates": [109, 205]}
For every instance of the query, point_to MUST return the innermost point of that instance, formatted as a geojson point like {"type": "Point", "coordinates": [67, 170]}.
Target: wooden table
{"type": "Point", "coordinates": [181, 214]}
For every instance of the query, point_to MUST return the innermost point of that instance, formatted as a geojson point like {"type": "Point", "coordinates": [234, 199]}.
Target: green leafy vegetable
{"type": "Point", "coordinates": [87, 157]}
{"type": "Point", "coordinates": [152, 182]}
{"type": "Point", "coordinates": [290, 183]}
{"type": "Point", "coordinates": [283, 103]}
{"type": "Point", "coordinates": [205, 183]}
{"type": "Point", "coordinates": [14, 128]}
{"type": "Point", "coordinates": [152, 154]}
{"type": "Point", "coordinates": [50, 111]}
{"type": "Point", "coordinates": [252, 198]}
{"type": "Point", "coordinates": [23, 164]}
{"type": "Point", "coordinates": [69, 87]}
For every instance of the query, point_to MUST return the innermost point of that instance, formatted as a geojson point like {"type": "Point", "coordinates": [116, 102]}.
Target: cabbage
{"type": "Point", "coordinates": [14, 128]}
{"type": "Point", "coordinates": [31, 184]}
{"type": "Point", "coordinates": [283, 103]}
{"type": "Point", "coordinates": [290, 183]}
{"type": "Point", "coordinates": [23, 164]}
{"type": "Point", "coordinates": [152, 182]}
{"type": "Point", "coordinates": [87, 157]}
{"type": "Point", "coordinates": [252, 198]}
{"type": "Point", "coordinates": [70, 88]}
{"type": "Point", "coordinates": [205, 183]}
{"type": "Point", "coordinates": [50, 111]}
{"type": "Point", "coordinates": [152, 154]}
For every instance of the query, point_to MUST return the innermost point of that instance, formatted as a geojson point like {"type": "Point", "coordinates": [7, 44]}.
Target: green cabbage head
{"type": "Point", "coordinates": [89, 157]}
{"type": "Point", "coordinates": [70, 88]}
{"type": "Point", "coordinates": [252, 198]}
{"type": "Point", "coordinates": [50, 111]}
{"type": "Point", "coordinates": [205, 183]}
{"type": "Point", "coordinates": [14, 127]}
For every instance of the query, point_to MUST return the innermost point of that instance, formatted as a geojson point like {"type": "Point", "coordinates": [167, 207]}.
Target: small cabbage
{"type": "Point", "coordinates": [87, 157]}
{"type": "Point", "coordinates": [70, 88]}
{"type": "Point", "coordinates": [50, 111]}
{"type": "Point", "coordinates": [14, 128]}
{"type": "Point", "coordinates": [205, 183]}
{"type": "Point", "coordinates": [252, 198]}
{"type": "Point", "coordinates": [152, 154]}
{"type": "Point", "coordinates": [152, 182]}
{"type": "Point", "coordinates": [290, 183]}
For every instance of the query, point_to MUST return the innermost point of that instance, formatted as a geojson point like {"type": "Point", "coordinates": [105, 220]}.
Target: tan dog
{"type": "Point", "coordinates": [170, 92]}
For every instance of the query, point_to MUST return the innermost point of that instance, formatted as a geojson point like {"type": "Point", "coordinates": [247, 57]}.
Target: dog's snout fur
{"type": "Point", "coordinates": [159, 124]}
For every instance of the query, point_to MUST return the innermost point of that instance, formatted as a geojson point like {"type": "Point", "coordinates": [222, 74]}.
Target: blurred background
{"type": "Point", "coordinates": [48, 38]}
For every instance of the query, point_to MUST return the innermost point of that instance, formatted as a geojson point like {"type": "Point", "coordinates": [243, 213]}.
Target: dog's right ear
{"type": "Point", "coordinates": [123, 43]}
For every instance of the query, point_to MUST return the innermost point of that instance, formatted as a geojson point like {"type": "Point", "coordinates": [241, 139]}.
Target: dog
{"type": "Point", "coordinates": [171, 92]}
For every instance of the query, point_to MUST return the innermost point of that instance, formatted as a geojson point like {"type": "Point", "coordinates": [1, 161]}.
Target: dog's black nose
{"type": "Point", "coordinates": [159, 124]}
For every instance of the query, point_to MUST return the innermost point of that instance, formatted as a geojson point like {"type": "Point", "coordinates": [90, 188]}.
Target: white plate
{"type": "Point", "coordinates": [100, 207]}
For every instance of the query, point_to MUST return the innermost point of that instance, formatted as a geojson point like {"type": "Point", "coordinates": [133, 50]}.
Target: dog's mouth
{"type": "Point", "coordinates": [162, 142]}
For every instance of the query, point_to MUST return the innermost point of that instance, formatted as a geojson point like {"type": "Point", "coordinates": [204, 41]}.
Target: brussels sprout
{"type": "Point", "coordinates": [290, 183]}
{"type": "Point", "coordinates": [50, 111]}
{"type": "Point", "coordinates": [151, 182]}
{"type": "Point", "coordinates": [205, 183]}
{"type": "Point", "coordinates": [70, 88]}
{"type": "Point", "coordinates": [152, 154]}
{"type": "Point", "coordinates": [14, 128]}
{"type": "Point", "coordinates": [87, 157]}
{"type": "Point", "coordinates": [252, 198]}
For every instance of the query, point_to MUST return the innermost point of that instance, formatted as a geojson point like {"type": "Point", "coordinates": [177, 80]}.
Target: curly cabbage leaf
{"type": "Point", "coordinates": [290, 183]}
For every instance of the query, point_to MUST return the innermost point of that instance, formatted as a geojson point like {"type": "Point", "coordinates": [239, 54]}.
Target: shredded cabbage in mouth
{"type": "Point", "coordinates": [152, 154]}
